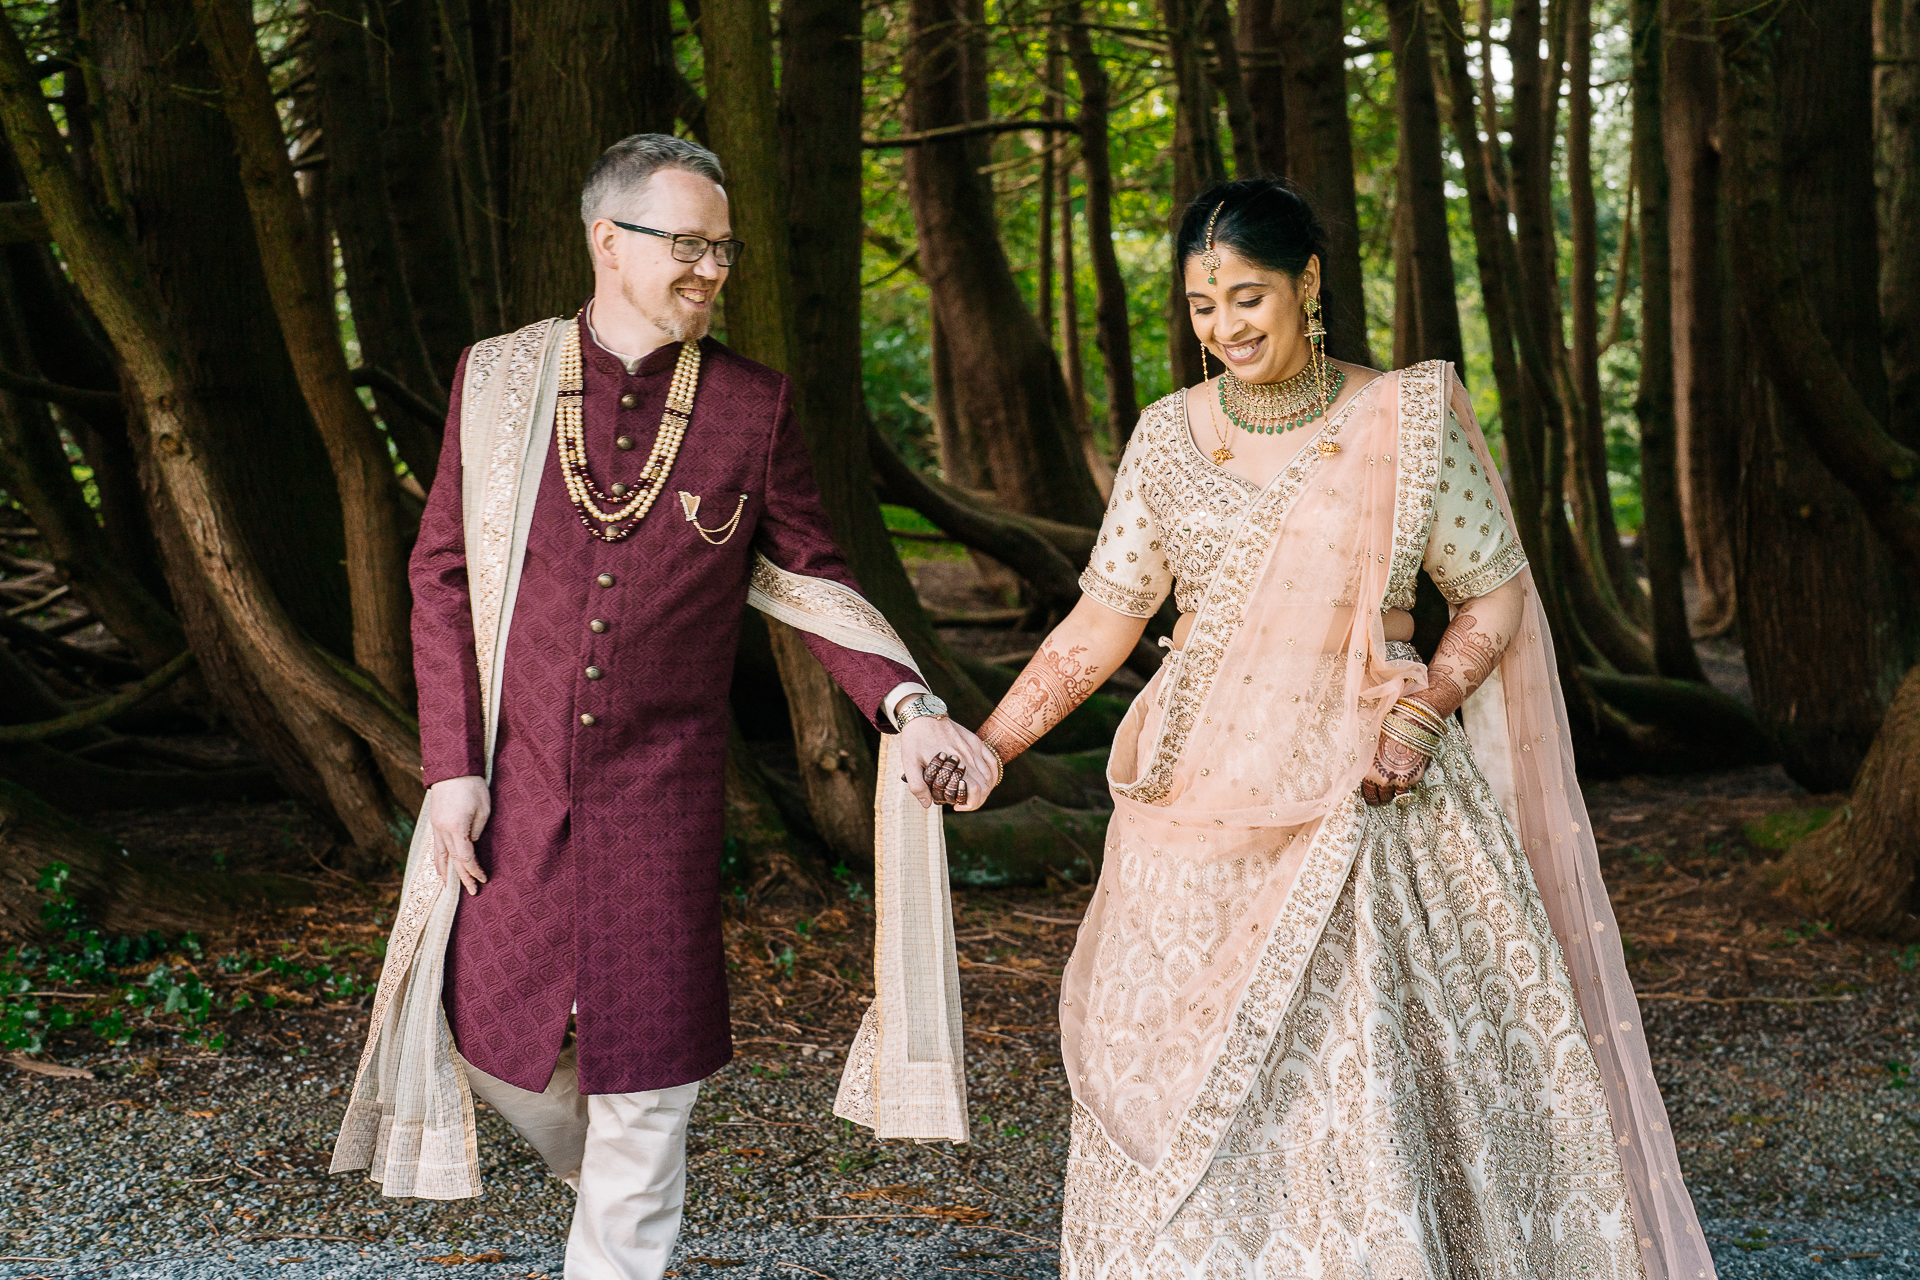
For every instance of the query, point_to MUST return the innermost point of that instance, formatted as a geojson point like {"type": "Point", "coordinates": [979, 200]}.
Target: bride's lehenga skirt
{"type": "Point", "coordinates": [1429, 1109]}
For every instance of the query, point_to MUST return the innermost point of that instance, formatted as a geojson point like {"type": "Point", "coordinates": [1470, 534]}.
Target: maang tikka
{"type": "Point", "coordinates": [1211, 258]}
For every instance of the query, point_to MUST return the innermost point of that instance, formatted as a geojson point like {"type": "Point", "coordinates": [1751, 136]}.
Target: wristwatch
{"type": "Point", "coordinates": [920, 704]}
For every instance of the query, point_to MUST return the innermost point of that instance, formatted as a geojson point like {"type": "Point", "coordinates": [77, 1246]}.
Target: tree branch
{"type": "Point", "coordinates": [103, 710]}
{"type": "Point", "coordinates": [417, 406]}
{"type": "Point", "coordinates": [969, 130]}
{"type": "Point", "coordinates": [53, 393]}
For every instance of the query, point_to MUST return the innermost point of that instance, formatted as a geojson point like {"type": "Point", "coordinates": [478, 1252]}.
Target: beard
{"type": "Point", "coordinates": [669, 314]}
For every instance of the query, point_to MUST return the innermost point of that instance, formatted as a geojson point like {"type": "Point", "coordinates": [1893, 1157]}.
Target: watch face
{"type": "Point", "coordinates": [932, 705]}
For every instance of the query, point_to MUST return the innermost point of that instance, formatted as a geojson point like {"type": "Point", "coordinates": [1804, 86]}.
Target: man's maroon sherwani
{"type": "Point", "coordinates": [603, 850]}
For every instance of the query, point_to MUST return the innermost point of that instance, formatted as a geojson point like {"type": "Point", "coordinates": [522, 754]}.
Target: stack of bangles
{"type": "Point", "coordinates": [1415, 725]}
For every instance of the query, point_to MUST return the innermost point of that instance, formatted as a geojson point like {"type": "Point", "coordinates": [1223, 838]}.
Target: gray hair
{"type": "Point", "coordinates": [622, 171]}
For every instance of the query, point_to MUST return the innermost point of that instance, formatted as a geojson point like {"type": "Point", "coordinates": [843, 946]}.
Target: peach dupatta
{"type": "Point", "coordinates": [1237, 818]}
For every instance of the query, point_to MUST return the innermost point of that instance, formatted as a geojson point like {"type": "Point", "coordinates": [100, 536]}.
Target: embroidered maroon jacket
{"type": "Point", "coordinates": [603, 849]}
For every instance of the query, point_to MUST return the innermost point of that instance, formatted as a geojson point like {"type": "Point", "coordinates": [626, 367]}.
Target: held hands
{"type": "Point", "coordinates": [460, 810]}
{"type": "Point", "coordinates": [945, 764]}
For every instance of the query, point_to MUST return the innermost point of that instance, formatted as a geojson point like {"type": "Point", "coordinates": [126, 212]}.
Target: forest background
{"type": "Point", "coordinates": [1674, 246]}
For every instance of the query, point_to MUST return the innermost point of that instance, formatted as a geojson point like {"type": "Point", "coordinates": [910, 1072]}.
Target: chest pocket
{"type": "Point", "coordinates": [719, 534]}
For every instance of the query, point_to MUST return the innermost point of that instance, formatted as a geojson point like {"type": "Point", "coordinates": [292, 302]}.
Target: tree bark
{"type": "Point", "coordinates": [303, 303]}
{"type": "Point", "coordinates": [1007, 384]}
{"type": "Point", "coordinates": [363, 218]}
{"type": "Point", "coordinates": [1264, 74]}
{"type": "Point", "coordinates": [586, 73]}
{"type": "Point", "coordinates": [1196, 166]}
{"type": "Point", "coordinates": [1112, 329]}
{"type": "Point", "coordinates": [420, 185]}
{"type": "Point", "coordinates": [836, 766]}
{"type": "Point", "coordinates": [1824, 662]}
{"type": "Point", "coordinates": [1232, 84]}
{"type": "Point", "coordinates": [473, 171]}
{"type": "Point", "coordinates": [1421, 178]}
{"type": "Point", "coordinates": [1588, 490]}
{"type": "Point", "coordinates": [1860, 871]}
{"type": "Point", "coordinates": [1896, 121]}
{"type": "Point", "coordinates": [1706, 438]}
{"type": "Point", "coordinates": [1311, 35]}
{"type": "Point", "coordinates": [1663, 536]}
{"type": "Point", "coordinates": [1071, 353]}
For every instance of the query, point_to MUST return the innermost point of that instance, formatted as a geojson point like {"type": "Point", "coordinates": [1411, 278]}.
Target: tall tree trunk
{"type": "Point", "coordinates": [1311, 35]}
{"type": "Point", "coordinates": [295, 679]}
{"type": "Point", "coordinates": [1043, 297]}
{"type": "Point", "coordinates": [1861, 870]}
{"type": "Point", "coordinates": [1706, 438]}
{"type": "Point", "coordinates": [820, 117]}
{"type": "Point", "coordinates": [303, 302]}
{"type": "Point", "coordinates": [1421, 178]}
{"type": "Point", "coordinates": [1588, 490]}
{"type": "Point", "coordinates": [420, 185]}
{"type": "Point", "coordinates": [586, 73]}
{"type": "Point", "coordinates": [736, 37]}
{"type": "Point", "coordinates": [1231, 81]}
{"type": "Point", "coordinates": [357, 196]}
{"type": "Point", "coordinates": [1824, 661]}
{"type": "Point", "coordinates": [1598, 734]}
{"type": "Point", "coordinates": [1006, 381]}
{"type": "Point", "coordinates": [1264, 74]}
{"type": "Point", "coordinates": [1070, 349]}
{"type": "Point", "coordinates": [1196, 166]}
{"type": "Point", "coordinates": [1663, 536]}
{"type": "Point", "coordinates": [1112, 330]}
{"type": "Point", "coordinates": [1896, 120]}
{"type": "Point", "coordinates": [473, 170]}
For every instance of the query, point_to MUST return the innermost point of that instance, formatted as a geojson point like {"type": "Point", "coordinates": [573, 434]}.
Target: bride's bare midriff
{"type": "Point", "coordinates": [1397, 623]}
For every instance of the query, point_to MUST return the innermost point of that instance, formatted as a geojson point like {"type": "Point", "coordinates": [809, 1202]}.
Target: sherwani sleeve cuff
{"type": "Point", "coordinates": [899, 694]}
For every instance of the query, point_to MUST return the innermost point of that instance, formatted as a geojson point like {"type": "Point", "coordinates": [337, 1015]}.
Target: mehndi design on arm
{"type": "Point", "coordinates": [1053, 684]}
{"type": "Point", "coordinates": [1467, 654]}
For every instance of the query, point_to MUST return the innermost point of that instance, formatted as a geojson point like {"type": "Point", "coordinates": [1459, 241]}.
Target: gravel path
{"type": "Point", "coordinates": [1800, 1149]}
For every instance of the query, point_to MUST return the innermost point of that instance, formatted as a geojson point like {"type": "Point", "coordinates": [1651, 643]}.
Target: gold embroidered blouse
{"type": "Point", "coordinates": [1173, 511]}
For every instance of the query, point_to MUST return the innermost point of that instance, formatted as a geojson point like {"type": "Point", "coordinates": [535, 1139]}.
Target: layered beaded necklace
{"type": "Point", "coordinates": [1269, 408]}
{"type": "Point", "coordinates": [608, 518]}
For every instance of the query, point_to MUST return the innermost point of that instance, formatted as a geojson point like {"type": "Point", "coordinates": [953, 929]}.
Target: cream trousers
{"type": "Point", "coordinates": [625, 1153]}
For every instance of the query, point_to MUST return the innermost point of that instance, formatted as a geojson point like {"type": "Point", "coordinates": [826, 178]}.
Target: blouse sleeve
{"type": "Point", "coordinates": [1128, 570]}
{"type": "Point", "coordinates": [1470, 550]}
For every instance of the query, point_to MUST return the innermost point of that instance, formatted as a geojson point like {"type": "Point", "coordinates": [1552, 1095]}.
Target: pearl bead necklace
{"type": "Point", "coordinates": [595, 507]}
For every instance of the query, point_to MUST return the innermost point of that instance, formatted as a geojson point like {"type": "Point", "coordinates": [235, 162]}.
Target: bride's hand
{"type": "Point", "coordinates": [1397, 769]}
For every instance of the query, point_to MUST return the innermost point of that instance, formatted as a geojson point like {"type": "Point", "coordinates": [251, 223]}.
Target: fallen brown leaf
{"type": "Point", "coordinates": [720, 1262]}
{"type": "Point", "coordinates": [903, 1194]}
{"type": "Point", "coordinates": [462, 1259]}
{"type": "Point", "coordinates": [205, 1115]}
{"type": "Point", "coordinates": [55, 1069]}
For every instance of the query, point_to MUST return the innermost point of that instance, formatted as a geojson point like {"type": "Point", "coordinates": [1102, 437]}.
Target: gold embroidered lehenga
{"type": "Point", "coordinates": [1309, 1038]}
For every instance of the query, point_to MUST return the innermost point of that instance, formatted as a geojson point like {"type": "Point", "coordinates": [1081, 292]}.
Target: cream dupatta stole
{"type": "Point", "coordinates": [1237, 819]}
{"type": "Point", "coordinates": [410, 1122]}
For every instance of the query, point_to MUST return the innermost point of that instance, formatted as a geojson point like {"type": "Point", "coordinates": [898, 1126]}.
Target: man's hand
{"type": "Point", "coordinates": [460, 808]}
{"type": "Point", "coordinates": [927, 737]}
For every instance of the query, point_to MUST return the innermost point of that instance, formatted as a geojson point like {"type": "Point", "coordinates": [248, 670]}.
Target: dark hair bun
{"type": "Point", "coordinates": [1266, 221]}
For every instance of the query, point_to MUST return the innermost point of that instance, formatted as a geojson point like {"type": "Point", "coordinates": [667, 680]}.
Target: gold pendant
{"type": "Point", "coordinates": [1222, 456]}
{"type": "Point", "coordinates": [1327, 448]}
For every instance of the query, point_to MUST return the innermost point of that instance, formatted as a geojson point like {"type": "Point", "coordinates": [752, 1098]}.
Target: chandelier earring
{"type": "Point", "coordinates": [1317, 343]}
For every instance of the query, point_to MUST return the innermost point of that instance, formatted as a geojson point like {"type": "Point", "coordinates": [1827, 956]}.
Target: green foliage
{"type": "Point", "coordinates": [154, 978]}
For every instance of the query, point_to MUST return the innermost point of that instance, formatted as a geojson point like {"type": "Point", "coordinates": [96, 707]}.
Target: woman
{"type": "Point", "coordinates": [1348, 1000]}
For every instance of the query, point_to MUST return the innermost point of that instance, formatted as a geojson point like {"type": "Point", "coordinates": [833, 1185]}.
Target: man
{"type": "Point", "coordinates": [591, 862]}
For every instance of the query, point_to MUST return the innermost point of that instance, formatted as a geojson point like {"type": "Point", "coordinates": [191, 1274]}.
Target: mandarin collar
{"type": "Point", "coordinates": [658, 361]}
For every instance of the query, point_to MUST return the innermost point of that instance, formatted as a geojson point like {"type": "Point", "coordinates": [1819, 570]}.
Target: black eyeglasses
{"type": "Point", "coordinates": [691, 248]}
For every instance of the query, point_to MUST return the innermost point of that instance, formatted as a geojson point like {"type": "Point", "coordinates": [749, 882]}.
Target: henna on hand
{"type": "Point", "coordinates": [1053, 684]}
{"type": "Point", "coordinates": [1397, 769]}
{"type": "Point", "coordinates": [1471, 648]}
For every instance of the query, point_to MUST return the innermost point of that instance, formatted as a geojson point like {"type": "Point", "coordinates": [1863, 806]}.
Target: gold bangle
{"type": "Point", "coordinates": [1421, 712]}
{"type": "Point", "coordinates": [1426, 745]}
